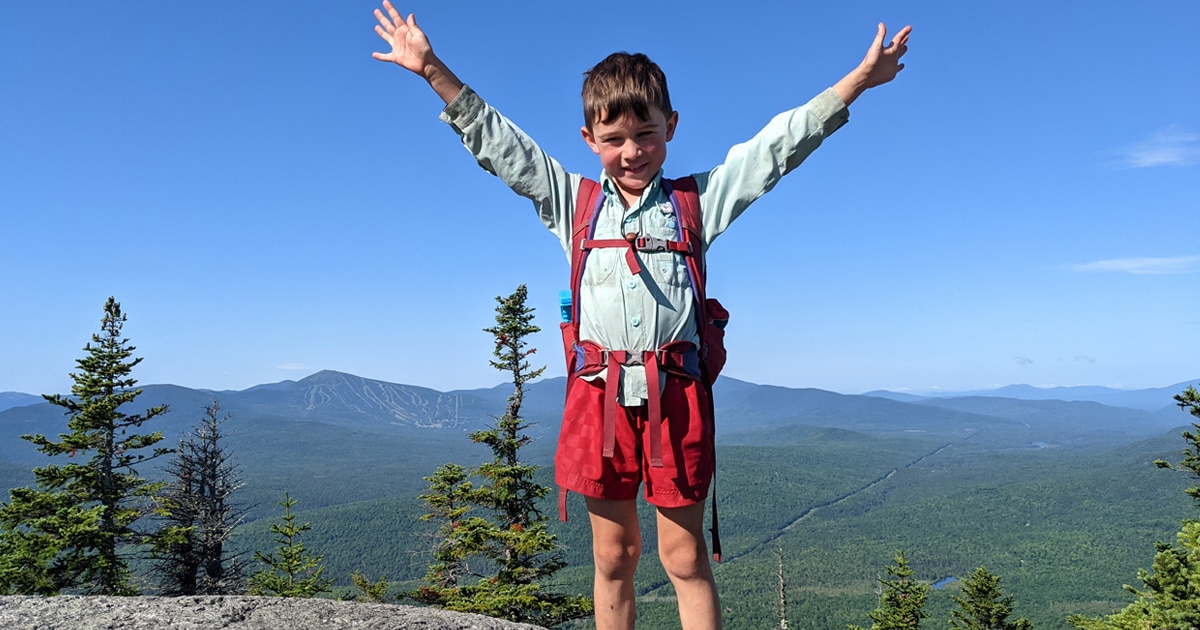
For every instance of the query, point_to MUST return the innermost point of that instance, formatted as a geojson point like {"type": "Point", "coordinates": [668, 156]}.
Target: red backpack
{"type": "Point", "coordinates": [675, 357]}
{"type": "Point", "coordinates": [686, 200]}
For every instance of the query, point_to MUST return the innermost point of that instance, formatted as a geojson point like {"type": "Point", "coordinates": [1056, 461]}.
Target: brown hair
{"type": "Point", "coordinates": [624, 84]}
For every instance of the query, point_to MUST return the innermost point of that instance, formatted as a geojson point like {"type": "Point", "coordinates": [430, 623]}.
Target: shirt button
{"type": "Point", "coordinates": [636, 321]}
{"type": "Point", "coordinates": [633, 284]}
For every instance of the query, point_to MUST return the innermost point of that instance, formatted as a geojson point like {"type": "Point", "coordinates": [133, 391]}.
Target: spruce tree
{"type": "Point", "coordinates": [77, 529]}
{"type": "Point", "coordinates": [901, 600]}
{"type": "Point", "coordinates": [983, 605]}
{"type": "Point", "coordinates": [1171, 597]}
{"type": "Point", "coordinates": [291, 570]}
{"type": "Point", "coordinates": [190, 547]}
{"type": "Point", "coordinates": [495, 550]}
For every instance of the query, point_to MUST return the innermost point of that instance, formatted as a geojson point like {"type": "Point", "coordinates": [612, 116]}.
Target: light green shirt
{"type": "Point", "coordinates": [617, 309]}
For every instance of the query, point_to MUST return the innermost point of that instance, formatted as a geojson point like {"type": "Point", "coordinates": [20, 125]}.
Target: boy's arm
{"type": "Point", "coordinates": [754, 167]}
{"type": "Point", "coordinates": [881, 65]}
{"type": "Point", "coordinates": [499, 146]}
{"type": "Point", "coordinates": [411, 51]}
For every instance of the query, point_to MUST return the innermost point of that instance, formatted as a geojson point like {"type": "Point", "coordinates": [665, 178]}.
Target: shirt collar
{"type": "Point", "coordinates": [610, 187]}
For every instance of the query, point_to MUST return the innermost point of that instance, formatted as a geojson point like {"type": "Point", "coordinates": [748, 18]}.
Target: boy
{"type": "Point", "coordinates": [636, 307]}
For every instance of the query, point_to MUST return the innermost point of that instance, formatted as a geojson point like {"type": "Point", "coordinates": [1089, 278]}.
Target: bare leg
{"type": "Point", "coordinates": [616, 547]}
{"type": "Point", "coordinates": [684, 555]}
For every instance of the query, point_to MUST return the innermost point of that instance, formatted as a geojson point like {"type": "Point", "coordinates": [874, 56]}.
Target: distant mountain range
{"type": "Point", "coordinates": [328, 391]}
{"type": "Point", "coordinates": [1150, 399]}
{"type": "Point", "coordinates": [1022, 414]}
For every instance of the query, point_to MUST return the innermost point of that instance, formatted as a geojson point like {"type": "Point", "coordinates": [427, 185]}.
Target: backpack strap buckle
{"type": "Point", "coordinates": [655, 244]}
{"type": "Point", "coordinates": [650, 244]}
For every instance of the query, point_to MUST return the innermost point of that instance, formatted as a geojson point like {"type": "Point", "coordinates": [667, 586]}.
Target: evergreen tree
{"type": "Point", "coordinates": [191, 557]}
{"type": "Point", "coordinates": [373, 592]}
{"type": "Point", "coordinates": [75, 530]}
{"type": "Point", "coordinates": [494, 563]}
{"type": "Point", "coordinates": [1189, 401]}
{"type": "Point", "coordinates": [1171, 597]}
{"type": "Point", "coordinates": [291, 571]}
{"type": "Point", "coordinates": [901, 600]}
{"type": "Point", "coordinates": [983, 605]}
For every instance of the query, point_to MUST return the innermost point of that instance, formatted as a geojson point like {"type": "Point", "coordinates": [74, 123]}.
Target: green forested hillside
{"type": "Point", "coordinates": [1065, 530]}
{"type": "Point", "coordinates": [1060, 499]}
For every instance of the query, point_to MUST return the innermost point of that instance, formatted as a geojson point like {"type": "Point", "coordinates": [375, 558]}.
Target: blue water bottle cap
{"type": "Point", "coordinates": [564, 304]}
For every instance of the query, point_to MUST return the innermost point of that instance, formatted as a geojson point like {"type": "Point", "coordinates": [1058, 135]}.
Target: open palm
{"type": "Point", "coordinates": [410, 47]}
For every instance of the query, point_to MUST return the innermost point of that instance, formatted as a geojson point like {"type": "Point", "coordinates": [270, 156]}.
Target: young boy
{"type": "Point", "coordinates": [628, 121]}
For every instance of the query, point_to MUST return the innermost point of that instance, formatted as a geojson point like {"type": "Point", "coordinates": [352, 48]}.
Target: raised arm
{"type": "Point", "coordinates": [881, 65]}
{"type": "Point", "coordinates": [411, 50]}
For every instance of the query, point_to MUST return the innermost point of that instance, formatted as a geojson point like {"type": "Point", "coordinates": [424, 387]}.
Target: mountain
{"type": "Point", "coordinates": [1153, 399]}
{"type": "Point", "coordinates": [8, 400]}
{"type": "Point", "coordinates": [345, 399]}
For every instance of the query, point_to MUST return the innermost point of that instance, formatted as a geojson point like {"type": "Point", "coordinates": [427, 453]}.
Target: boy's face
{"type": "Point", "coordinates": [632, 150]}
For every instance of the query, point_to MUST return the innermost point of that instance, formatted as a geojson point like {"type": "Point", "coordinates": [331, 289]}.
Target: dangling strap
{"type": "Point", "coordinates": [715, 530]}
{"type": "Point", "coordinates": [612, 377]}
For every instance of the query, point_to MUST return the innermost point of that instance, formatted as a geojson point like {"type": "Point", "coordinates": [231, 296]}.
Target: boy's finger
{"type": "Point", "coordinates": [384, 22]}
{"type": "Point", "coordinates": [880, 33]}
{"type": "Point", "coordinates": [384, 34]}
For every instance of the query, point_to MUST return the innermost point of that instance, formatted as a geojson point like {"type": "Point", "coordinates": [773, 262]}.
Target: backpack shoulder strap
{"type": "Point", "coordinates": [583, 221]}
{"type": "Point", "coordinates": [686, 197]}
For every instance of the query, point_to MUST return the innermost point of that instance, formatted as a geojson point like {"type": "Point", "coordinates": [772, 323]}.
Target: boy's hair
{"type": "Point", "coordinates": [624, 84]}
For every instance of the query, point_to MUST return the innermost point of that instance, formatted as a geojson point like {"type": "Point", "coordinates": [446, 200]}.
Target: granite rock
{"type": "Point", "coordinates": [229, 613]}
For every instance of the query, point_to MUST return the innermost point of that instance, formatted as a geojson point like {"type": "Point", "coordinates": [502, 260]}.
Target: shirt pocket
{"type": "Point", "coordinates": [600, 266]}
{"type": "Point", "coordinates": [666, 268]}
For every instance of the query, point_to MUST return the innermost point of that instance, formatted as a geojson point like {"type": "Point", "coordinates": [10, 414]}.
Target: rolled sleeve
{"type": "Point", "coordinates": [463, 110]}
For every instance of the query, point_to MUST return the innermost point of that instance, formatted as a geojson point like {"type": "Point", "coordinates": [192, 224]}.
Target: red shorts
{"type": "Point", "coordinates": [687, 446]}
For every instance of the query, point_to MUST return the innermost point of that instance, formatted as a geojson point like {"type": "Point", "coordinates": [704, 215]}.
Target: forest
{"type": "Point", "coordinates": [1062, 500]}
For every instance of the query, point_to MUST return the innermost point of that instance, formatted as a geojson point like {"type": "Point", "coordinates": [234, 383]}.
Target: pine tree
{"type": "Point", "coordinates": [76, 530]}
{"type": "Point", "coordinates": [291, 570]}
{"type": "Point", "coordinates": [191, 556]}
{"type": "Point", "coordinates": [901, 601]}
{"type": "Point", "coordinates": [494, 564]}
{"type": "Point", "coordinates": [983, 605]}
{"type": "Point", "coordinates": [1171, 597]}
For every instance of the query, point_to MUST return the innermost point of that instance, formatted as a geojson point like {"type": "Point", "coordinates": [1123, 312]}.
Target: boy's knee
{"type": "Point", "coordinates": [616, 559]}
{"type": "Point", "coordinates": [684, 561]}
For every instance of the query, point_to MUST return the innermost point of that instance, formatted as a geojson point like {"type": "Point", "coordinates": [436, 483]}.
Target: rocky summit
{"type": "Point", "coordinates": [230, 613]}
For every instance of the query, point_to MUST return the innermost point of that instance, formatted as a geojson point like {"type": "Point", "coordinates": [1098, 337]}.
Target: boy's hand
{"type": "Point", "coordinates": [881, 65]}
{"type": "Point", "coordinates": [411, 50]}
{"type": "Point", "coordinates": [410, 47]}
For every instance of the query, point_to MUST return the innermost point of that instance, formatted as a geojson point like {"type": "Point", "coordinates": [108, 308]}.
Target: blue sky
{"type": "Point", "coordinates": [266, 200]}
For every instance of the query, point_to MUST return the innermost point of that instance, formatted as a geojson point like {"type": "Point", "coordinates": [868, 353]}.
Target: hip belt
{"type": "Point", "coordinates": [677, 357]}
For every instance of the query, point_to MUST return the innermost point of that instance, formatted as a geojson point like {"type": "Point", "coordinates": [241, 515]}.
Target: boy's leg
{"type": "Point", "coordinates": [616, 547]}
{"type": "Point", "coordinates": [684, 555]}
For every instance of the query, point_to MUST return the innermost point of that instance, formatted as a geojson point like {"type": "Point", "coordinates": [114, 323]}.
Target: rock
{"type": "Point", "coordinates": [69, 612]}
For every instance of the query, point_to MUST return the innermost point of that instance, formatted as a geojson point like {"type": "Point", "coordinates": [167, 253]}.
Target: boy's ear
{"type": "Point", "coordinates": [672, 122]}
{"type": "Point", "coordinates": [590, 139]}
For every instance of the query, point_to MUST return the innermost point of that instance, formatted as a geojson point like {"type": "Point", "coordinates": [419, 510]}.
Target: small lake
{"type": "Point", "coordinates": [944, 582]}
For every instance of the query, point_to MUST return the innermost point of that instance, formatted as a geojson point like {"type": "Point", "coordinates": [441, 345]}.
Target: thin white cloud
{"type": "Point", "coordinates": [292, 366]}
{"type": "Point", "coordinates": [1173, 146]}
{"type": "Point", "coordinates": [1159, 266]}
{"type": "Point", "coordinates": [1084, 358]}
